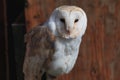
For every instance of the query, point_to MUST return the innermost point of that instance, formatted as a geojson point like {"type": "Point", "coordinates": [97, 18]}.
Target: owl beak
{"type": "Point", "coordinates": [68, 32]}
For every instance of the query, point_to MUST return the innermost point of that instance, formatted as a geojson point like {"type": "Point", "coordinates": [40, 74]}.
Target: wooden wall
{"type": "Point", "coordinates": [99, 56]}
{"type": "Point", "coordinates": [9, 14]}
{"type": "Point", "coordinates": [3, 46]}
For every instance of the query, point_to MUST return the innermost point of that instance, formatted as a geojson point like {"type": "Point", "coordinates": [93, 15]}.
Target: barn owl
{"type": "Point", "coordinates": [52, 48]}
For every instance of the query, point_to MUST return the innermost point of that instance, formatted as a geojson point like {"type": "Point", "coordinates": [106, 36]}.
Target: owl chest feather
{"type": "Point", "coordinates": [64, 58]}
{"type": "Point", "coordinates": [67, 47]}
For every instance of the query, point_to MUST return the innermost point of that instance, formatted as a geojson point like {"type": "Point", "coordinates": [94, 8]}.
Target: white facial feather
{"type": "Point", "coordinates": [68, 21]}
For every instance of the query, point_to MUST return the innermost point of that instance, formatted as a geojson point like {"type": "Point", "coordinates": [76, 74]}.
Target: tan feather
{"type": "Point", "coordinates": [39, 48]}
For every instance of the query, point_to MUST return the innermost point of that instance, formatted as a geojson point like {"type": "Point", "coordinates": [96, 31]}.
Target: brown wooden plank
{"type": "Point", "coordinates": [36, 12]}
{"type": "Point", "coordinates": [112, 39]}
{"type": "Point", "coordinates": [116, 65]}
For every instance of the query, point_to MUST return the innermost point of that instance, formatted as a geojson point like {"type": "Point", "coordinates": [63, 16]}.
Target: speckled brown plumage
{"type": "Point", "coordinates": [40, 46]}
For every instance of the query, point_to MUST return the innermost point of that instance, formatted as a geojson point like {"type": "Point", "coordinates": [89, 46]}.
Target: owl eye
{"type": "Point", "coordinates": [76, 20]}
{"type": "Point", "coordinates": [62, 20]}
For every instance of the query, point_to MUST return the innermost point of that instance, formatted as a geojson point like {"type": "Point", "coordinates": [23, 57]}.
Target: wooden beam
{"type": "Point", "coordinates": [4, 68]}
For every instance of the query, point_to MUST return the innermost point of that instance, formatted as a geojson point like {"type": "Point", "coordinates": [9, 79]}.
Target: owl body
{"type": "Point", "coordinates": [64, 58]}
{"type": "Point", "coordinates": [52, 48]}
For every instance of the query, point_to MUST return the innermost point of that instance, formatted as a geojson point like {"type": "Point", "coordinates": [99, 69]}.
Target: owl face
{"type": "Point", "coordinates": [69, 21]}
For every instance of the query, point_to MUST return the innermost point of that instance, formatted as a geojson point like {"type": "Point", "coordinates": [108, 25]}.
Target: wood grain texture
{"type": "Point", "coordinates": [99, 54]}
{"type": "Point", "coordinates": [4, 71]}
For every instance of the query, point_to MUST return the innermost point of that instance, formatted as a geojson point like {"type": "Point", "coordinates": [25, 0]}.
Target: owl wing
{"type": "Point", "coordinates": [39, 49]}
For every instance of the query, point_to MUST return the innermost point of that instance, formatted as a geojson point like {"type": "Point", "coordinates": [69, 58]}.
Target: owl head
{"type": "Point", "coordinates": [68, 22]}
